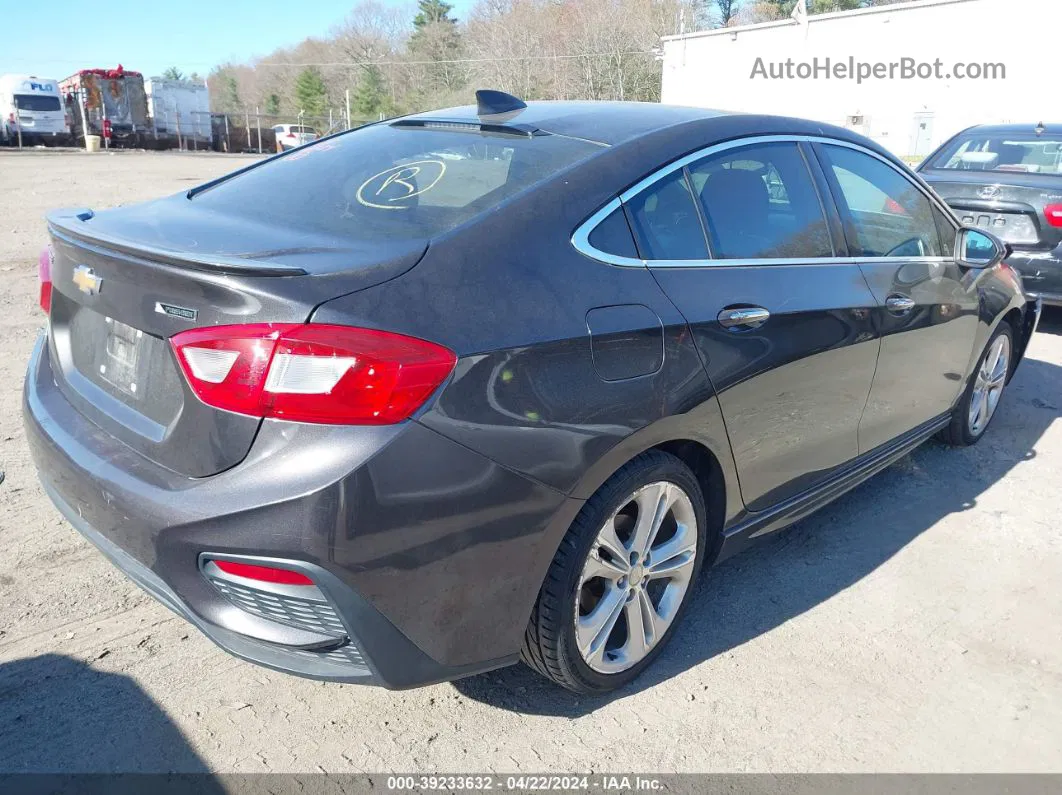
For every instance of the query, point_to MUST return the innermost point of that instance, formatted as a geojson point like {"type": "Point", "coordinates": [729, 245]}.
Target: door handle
{"type": "Point", "coordinates": [899, 304]}
{"type": "Point", "coordinates": [743, 318]}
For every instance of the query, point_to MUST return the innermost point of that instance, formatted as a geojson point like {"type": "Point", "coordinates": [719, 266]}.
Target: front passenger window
{"type": "Point", "coordinates": [887, 216]}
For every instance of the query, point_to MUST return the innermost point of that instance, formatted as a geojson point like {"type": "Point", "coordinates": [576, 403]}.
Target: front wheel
{"type": "Point", "coordinates": [621, 578]}
{"type": "Point", "coordinates": [978, 405]}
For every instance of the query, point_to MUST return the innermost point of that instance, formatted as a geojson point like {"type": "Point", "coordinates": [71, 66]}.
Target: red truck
{"type": "Point", "coordinates": [107, 100]}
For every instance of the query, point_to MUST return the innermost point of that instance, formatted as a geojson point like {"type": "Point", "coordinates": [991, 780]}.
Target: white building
{"type": "Point", "coordinates": [981, 61]}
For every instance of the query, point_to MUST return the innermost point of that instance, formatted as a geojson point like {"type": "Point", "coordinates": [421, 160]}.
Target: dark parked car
{"type": "Point", "coordinates": [497, 385]}
{"type": "Point", "coordinates": [1008, 179]}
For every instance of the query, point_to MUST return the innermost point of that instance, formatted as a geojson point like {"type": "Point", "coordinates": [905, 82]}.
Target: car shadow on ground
{"type": "Point", "coordinates": [61, 717]}
{"type": "Point", "coordinates": [796, 569]}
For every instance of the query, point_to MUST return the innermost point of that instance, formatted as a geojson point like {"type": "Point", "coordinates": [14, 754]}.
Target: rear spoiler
{"type": "Point", "coordinates": [70, 225]}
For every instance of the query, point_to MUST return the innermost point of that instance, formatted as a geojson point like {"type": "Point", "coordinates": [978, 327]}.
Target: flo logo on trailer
{"type": "Point", "coordinates": [47, 88]}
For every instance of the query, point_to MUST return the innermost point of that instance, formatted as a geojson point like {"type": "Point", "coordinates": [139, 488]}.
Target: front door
{"type": "Point", "coordinates": [926, 304]}
{"type": "Point", "coordinates": [784, 330]}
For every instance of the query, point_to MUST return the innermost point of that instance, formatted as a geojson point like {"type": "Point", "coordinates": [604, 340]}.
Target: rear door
{"type": "Point", "coordinates": [304, 134]}
{"type": "Point", "coordinates": [927, 304]}
{"type": "Point", "coordinates": [40, 110]}
{"type": "Point", "coordinates": [783, 326]}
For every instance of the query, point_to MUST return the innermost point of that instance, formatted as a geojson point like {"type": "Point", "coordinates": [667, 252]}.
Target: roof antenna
{"type": "Point", "coordinates": [1040, 129]}
{"type": "Point", "coordinates": [491, 103]}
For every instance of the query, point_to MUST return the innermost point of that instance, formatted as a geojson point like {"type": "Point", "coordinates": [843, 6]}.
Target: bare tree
{"type": "Point", "coordinates": [537, 49]}
{"type": "Point", "coordinates": [727, 10]}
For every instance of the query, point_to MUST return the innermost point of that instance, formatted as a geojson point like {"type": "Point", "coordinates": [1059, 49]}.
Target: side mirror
{"type": "Point", "coordinates": [980, 249]}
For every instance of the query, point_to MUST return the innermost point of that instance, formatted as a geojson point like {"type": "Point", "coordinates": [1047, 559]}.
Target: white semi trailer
{"type": "Point", "coordinates": [179, 111]}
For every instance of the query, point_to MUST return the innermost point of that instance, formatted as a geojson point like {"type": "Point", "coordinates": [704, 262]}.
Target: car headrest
{"type": "Point", "coordinates": [738, 206]}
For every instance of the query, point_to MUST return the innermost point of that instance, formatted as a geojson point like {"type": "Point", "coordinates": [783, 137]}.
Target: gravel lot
{"type": "Point", "coordinates": [911, 626]}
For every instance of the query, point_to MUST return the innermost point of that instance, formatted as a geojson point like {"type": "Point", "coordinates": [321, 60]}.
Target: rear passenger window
{"type": "Point", "coordinates": [613, 236]}
{"type": "Point", "coordinates": [665, 221]}
{"type": "Point", "coordinates": [887, 216]}
{"type": "Point", "coordinates": [760, 203]}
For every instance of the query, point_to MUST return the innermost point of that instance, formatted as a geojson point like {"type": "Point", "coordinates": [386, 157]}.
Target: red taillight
{"type": "Point", "coordinates": [894, 207]}
{"type": "Point", "coordinates": [1053, 214]}
{"type": "Point", "coordinates": [44, 276]}
{"type": "Point", "coordinates": [263, 573]}
{"type": "Point", "coordinates": [312, 373]}
{"type": "Point", "coordinates": [290, 135]}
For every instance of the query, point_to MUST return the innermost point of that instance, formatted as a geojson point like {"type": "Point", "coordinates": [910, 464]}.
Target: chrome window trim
{"type": "Point", "coordinates": [581, 237]}
{"type": "Point", "coordinates": [755, 263]}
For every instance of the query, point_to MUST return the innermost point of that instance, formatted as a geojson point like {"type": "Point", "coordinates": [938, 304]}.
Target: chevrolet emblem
{"type": "Point", "coordinates": [86, 280]}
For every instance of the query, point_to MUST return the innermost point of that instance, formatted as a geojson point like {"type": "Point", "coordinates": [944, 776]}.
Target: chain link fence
{"type": "Point", "coordinates": [257, 132]}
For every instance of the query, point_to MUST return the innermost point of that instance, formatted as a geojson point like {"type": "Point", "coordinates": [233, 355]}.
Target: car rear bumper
{"type": "Point", "coordinates": [1041, 273]}
{"type": "Point", "coordinates": [310, 663]}
{"type": "Point", "coordinates": [428, 555]}
{"type": "Point", "coordinates": [32, 135]}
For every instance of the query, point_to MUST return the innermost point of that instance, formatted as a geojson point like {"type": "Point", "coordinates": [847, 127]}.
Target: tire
{"type": "Point", "coordinates": [567, 597]}
{"type": "Point", "coordinates": [963, 430]}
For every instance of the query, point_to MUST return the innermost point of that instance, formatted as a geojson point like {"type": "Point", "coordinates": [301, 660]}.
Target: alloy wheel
{"type": "Point", "coordinates": [635, 577]}
{"type": "Point", "coordinates": [988, 387]}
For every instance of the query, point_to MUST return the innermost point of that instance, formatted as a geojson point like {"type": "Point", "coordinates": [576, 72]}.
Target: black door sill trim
{"type": "Point", "coordinates": [851, 475]}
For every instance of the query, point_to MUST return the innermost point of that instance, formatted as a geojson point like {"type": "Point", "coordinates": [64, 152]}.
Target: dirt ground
{"type": "Point", "coordinates": [911, 626]}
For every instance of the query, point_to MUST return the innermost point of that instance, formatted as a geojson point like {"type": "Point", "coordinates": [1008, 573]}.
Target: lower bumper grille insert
{"type": "Point", "coordinates": [304, 614]}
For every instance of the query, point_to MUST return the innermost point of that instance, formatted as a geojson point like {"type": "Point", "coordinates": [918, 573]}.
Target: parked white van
{"type": "Point", "coordinates": [35, 105]}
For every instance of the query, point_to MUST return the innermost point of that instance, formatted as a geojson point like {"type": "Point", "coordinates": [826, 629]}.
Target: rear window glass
{"type": "Point", "coordinates": [1023, 153]}
{"type": "Point", "coordinates": [37, 102]}
{"type": "Point", "coordinates": [297, 129]}
{"type": "Point", "coordinates": [382, 181]}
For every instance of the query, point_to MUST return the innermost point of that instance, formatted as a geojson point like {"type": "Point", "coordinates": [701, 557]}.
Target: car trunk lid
{"type": "Point", "coordinates": [1010, 205]}
{"type": "Point", "coordinates": [126, 280]}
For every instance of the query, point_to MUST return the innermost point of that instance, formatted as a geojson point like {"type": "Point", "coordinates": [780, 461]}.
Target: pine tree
{"type": "Point", "coordinates": [430, 11]}
{"type": "Point", "coordinates": [436, 38]}
{"type": "Point", "coordinates": [229, 95]}
{"type": "Point", "coordinates": [310, 92]}
{"type": "Point", "coordinates": [369, 97]}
